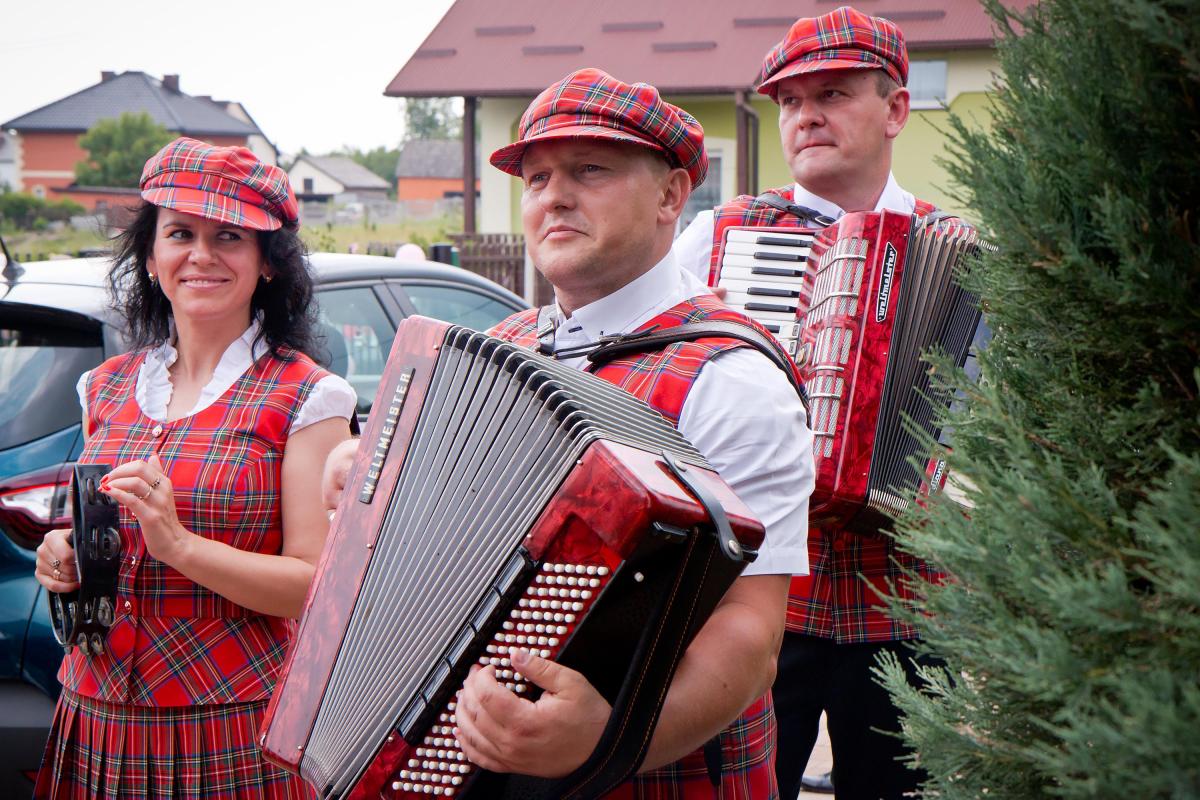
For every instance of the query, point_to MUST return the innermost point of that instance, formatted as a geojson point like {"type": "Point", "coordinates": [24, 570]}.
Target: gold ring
{"type": "Point", "coordinates": [56, 563]}
{"type": "Point", "coordinates": [157, 481]}
{"type": "Point", "coordinates": [57, 575]}
{"type": "Point", "coordinates": [147, 494]}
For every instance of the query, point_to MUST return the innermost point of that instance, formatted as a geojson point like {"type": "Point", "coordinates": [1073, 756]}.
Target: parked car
{"type": "Point", "coordinates": [55, 324]}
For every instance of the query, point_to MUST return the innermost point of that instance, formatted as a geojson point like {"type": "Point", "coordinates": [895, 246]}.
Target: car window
{"type": "Point", "coordinates": [457, 305]}
{"type": "Point", "coordinates": [39, 367]}
{"type": "Point", "coordinates": [357, 338]}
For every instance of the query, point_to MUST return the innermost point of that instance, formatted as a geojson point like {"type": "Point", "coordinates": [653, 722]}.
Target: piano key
{"type": "Point", "coordinates": [743, 281]}
{"type": "Point", "coordinates": [781, 308]}
{"type": "Point", "coordinates": [802, 238]}
{"type": "Point", "coordinates": [770, 291]}
{"type": "Point", "coordinates": [750, 262]}
{"type": "Point", "coordinates": [750, 248]}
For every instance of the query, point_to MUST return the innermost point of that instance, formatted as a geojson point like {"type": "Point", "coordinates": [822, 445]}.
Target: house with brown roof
{"type": "Point", "coordinates": [47, 138]}
{"type": "Point", "coordinates": [704, 55]}
{"type": "Point", "coordinates": [431, 169]}
{"type": "Point", "coordinates": [336, 178]}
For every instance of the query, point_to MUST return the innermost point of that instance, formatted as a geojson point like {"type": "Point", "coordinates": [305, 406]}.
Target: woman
{"type": "Point", "coordinates": [217, 426]}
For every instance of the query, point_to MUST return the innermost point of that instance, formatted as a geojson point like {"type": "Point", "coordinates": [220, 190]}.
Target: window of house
{"type": "Point", "coordinates": [308, 185]}
{"type": "Point", "coordinates": [39, 192]}
{"type": "Point", "coordinates": [707, 195]}
{"type": "Point", "coordinates": [927, 83]}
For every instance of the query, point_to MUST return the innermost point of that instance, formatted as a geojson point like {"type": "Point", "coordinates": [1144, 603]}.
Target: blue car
{"type": "Point", "coordinates": [54, 325]}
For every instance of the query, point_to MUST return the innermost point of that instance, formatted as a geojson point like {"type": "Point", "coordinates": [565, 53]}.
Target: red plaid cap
{"type": "Point", "coordinates": [842, 39]}
{"type": "Point", "coordinates": [591, 104]}
{"type": "Point", "coordinates": [227, 184]}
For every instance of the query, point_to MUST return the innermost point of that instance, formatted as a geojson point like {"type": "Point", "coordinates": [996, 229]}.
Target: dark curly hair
{"type": "Point", "coordinates": [285, 303]}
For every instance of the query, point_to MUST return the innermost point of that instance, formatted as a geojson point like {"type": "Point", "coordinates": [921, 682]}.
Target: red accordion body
{"type": "Point", "coordinates": [871, 295]}
{"type": "Point", "coordinates": [500, 500]}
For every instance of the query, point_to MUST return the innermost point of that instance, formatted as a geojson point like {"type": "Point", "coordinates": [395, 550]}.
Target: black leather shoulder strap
{"type": "Point", "coordinates": [804, 212]}
{"type": "Point", "coordinates": [612, 348]}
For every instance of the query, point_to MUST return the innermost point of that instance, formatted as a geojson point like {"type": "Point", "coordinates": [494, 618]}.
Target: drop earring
{"type": "Point", "coordinates": [153, 278]}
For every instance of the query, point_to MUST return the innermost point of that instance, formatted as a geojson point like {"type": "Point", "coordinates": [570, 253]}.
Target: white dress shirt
{"type": "Point", "coordinates": [331, 397]}
{"type": "Point", "coordinates": [742, 414]}
{"type": "Point", "coordinates": [693, 247]}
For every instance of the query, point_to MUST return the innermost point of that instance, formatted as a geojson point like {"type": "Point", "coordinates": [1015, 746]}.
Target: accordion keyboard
{"type": "Point", "coordinates": [762, 271]}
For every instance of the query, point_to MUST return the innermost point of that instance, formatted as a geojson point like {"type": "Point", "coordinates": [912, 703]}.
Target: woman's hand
{"type": "Point", "coordinates": [55, 567]}
{"type": "Point", "coordinates": [144, 488]}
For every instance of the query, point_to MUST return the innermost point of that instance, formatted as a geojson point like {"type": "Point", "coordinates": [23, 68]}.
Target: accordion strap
{"type": "Point", "coordinates": [614, 347]}
{"type": "Point", "coordinates": [803, 212]}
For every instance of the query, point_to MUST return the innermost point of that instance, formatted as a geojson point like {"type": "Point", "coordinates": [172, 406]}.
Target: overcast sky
{"type": "Point", "coordinates": [312, 74]}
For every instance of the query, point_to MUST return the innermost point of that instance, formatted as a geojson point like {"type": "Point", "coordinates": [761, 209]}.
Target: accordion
{"type": "Point", "coordinates": [858, 304]}
{"type": "Point", "coordinates": [499, 500]}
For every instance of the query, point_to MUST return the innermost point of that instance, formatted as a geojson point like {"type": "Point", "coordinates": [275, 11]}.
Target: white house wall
{"type": "Point", "coordinates": [321, 183]}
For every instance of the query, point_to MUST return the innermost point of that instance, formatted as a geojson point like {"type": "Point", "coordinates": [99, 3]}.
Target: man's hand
{"type": "Point", "coordinates": [503, 732]}
{"type": "Point", "coordinates": [337, 470]}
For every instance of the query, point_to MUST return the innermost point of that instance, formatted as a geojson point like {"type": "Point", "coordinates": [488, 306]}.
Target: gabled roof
{"type": "Point", "coordinates": [133, 92]}
{"type": "Point", "coordinates": [346, 171]}
{"type": "Point", "coordinates": [482, 48]}
{"type": "Point", "coordinates": [431, 158]}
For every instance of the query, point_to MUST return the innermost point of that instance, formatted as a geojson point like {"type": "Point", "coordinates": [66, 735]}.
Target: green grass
{"type": "Point", "coordinates": [30, 246]}
{"type": "Point", "coordinates": [338, 238]}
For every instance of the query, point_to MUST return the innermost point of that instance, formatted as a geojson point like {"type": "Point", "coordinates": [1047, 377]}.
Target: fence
{"type": "Point", "coordinates": [501, 257]}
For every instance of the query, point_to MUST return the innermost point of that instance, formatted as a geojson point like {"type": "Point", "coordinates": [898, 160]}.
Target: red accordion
{"type": "Point", "coordinates": [500, 500]}
{"type": "Point", "coordinates": [858, 304]}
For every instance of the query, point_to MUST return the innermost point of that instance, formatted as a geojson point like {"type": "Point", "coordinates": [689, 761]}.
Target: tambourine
{"type": "Point", "coordinates": [82, 617]}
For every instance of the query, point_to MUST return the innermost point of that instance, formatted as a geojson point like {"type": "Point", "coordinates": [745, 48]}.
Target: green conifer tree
{"type": "Point", "coordinates": [1070, 627]}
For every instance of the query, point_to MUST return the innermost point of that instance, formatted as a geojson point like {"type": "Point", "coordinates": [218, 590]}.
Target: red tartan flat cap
{"type": "Point", "coordinates": [227, 184]}
{"type": "Point", "coordinates": [591, 104]}
{"type": "Point", "coordinates": [845, 38]}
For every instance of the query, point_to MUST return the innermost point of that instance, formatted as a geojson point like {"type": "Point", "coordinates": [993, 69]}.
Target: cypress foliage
{"type": "Point", "coordinates": [1070, 628]}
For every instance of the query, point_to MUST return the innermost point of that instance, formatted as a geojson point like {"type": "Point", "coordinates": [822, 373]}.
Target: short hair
{"type": "Point", "coordinates": [884, 83]}
{"type": "Point", "coordinates": [285, 303]}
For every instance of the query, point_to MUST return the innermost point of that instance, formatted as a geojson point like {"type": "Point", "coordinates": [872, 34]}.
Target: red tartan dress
{"type": "Point", "coordinates": [172, 707]}
{"type": "Point", "coordinates": [841, 596]}
{"type": "Point", "coordinates": [663, 379]}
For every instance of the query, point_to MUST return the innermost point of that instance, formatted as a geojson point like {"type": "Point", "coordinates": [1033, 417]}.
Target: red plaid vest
{"type": "Point", "coordinates": [174, 642]}
{"type": "Point", "coordinates": [662, 379]}
{"type": "Point", "coordinates": [840, 598]}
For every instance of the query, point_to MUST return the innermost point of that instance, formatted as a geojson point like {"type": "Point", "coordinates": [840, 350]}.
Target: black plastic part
{"type": "Point", "coordinates": [82, 617]}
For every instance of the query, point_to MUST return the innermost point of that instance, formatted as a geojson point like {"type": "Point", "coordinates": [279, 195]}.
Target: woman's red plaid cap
{"type": "Point", "coordinates": [591, 104]}
{"type": "Point", "coordinates": [845, 38]}
{"type": "Point", "coordinates": [226, 184]}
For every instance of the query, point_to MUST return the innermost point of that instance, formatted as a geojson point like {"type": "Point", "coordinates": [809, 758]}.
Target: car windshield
{"type": "Point", "coordinates": [39, 367]}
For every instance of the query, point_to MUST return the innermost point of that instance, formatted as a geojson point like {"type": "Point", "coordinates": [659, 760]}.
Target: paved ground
{"type": "Point", "coordinates": [819, 763]}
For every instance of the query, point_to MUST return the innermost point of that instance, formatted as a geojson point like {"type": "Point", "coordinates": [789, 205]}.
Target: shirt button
{"type": "Point", "coordinates": [157, 431]}
{"type": "Point", "coordinates": [133, 561]}
{"type": "Point", "coordinates": [128, 606]}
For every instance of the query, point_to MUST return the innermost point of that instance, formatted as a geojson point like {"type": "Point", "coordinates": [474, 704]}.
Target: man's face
{"type": "Point", "coordinates": [591, 210]}
{"type": "Point", "coordinates": [836, 129]}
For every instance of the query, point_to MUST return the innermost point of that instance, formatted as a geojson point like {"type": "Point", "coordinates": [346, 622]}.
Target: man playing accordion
{"type": "Point", "coordinates": [606, 169]}
{"type": "Point", "coordinates": [839, 82]}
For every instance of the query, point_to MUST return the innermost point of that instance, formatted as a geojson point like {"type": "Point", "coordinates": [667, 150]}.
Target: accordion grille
{"type": "Point", "coordinates": [839, 277]}
{"type": "Point", "coordinates": [937, 313]}
{"type": "Point", "coordinates": [498, 431]}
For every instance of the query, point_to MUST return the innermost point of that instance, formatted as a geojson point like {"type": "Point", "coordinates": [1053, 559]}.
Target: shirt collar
{"type": "Point", "coordinates": [241, 352]}
{"type": "Point", "coordinates": [893, 198]}
{"type": "Point", "coordinates": [624, 310]}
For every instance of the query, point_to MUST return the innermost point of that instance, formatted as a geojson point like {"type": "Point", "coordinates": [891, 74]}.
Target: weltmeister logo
{"type": "Point", "coordinates": [885, 282]}
{"type": "Point", "coordinates": [386, 434]}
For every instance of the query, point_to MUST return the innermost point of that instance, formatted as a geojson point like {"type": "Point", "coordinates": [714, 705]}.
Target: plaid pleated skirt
{"type": "Point", "coordinates": [106, 750]}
